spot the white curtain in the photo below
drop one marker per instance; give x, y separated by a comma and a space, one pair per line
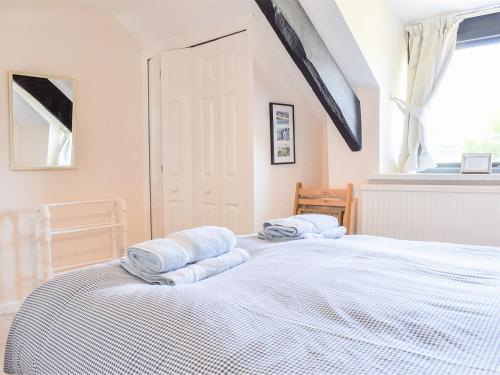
431, 46
64, 154
60, 145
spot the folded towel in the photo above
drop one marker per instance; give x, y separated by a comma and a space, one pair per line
322, 223
295, 227
332, 234
192, 272
180, 248
287, 227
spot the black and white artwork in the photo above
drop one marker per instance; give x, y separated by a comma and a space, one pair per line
282, 133
305, 46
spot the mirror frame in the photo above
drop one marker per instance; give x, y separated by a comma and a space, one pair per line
13, 166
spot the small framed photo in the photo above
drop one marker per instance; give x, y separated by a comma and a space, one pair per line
476, 163
282, 133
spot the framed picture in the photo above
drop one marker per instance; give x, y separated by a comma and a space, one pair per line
476, 163
282, 133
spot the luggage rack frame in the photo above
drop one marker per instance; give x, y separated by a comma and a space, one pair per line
44, 233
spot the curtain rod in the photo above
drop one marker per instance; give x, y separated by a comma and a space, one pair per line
465, 14
480, 12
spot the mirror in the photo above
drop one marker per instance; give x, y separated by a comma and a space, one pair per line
42, 126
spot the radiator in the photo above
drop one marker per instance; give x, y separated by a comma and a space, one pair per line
458, 214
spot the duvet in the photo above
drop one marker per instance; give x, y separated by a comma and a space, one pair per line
358, 305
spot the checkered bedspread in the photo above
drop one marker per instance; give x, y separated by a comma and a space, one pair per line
359, 305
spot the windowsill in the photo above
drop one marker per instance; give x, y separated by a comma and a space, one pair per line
436, 178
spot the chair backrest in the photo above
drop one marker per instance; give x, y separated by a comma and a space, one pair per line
335, 202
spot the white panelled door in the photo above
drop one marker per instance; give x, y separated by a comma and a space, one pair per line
205, 126
234, 134
176, 141
206, 136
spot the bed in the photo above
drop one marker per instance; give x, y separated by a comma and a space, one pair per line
358, 305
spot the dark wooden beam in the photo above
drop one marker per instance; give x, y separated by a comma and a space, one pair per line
326, 90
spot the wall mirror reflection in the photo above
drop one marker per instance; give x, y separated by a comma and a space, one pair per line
42, 126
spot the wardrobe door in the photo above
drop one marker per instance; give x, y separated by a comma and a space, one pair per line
206, 143
205, 130
176, 140
234, 137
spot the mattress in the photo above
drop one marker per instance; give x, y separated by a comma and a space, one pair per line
358, 305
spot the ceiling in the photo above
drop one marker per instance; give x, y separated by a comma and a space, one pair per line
413, 10
152, 20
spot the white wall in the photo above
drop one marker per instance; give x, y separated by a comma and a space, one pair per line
345, 166
277, 79
380, 35
63, 39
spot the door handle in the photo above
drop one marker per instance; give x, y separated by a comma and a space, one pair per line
207, 191
174, 190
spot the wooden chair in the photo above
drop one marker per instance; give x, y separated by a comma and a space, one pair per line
336, 202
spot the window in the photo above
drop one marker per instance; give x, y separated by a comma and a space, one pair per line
464, 115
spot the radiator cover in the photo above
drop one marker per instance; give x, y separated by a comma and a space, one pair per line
457, 214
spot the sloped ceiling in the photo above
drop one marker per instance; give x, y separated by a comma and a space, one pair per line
150, 21
336, 34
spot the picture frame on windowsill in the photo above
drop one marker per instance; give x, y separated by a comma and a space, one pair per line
476, 163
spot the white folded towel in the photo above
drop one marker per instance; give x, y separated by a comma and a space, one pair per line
332, 234
322, 223
286, 227
295, 227
180, 248
192, 272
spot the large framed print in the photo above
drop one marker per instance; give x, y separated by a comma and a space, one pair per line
282, 133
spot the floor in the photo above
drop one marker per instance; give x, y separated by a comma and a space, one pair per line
5, 321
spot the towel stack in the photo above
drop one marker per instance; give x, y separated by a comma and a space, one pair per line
302, 226
185, 257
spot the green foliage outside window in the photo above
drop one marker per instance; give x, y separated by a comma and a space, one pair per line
491, 142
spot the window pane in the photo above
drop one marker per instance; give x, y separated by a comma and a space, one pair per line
465, 112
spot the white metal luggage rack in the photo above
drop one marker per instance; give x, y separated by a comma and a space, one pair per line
44, 233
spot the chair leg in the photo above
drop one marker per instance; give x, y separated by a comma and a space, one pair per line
296, 205
354, 215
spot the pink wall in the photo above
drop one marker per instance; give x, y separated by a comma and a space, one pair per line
63, 39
